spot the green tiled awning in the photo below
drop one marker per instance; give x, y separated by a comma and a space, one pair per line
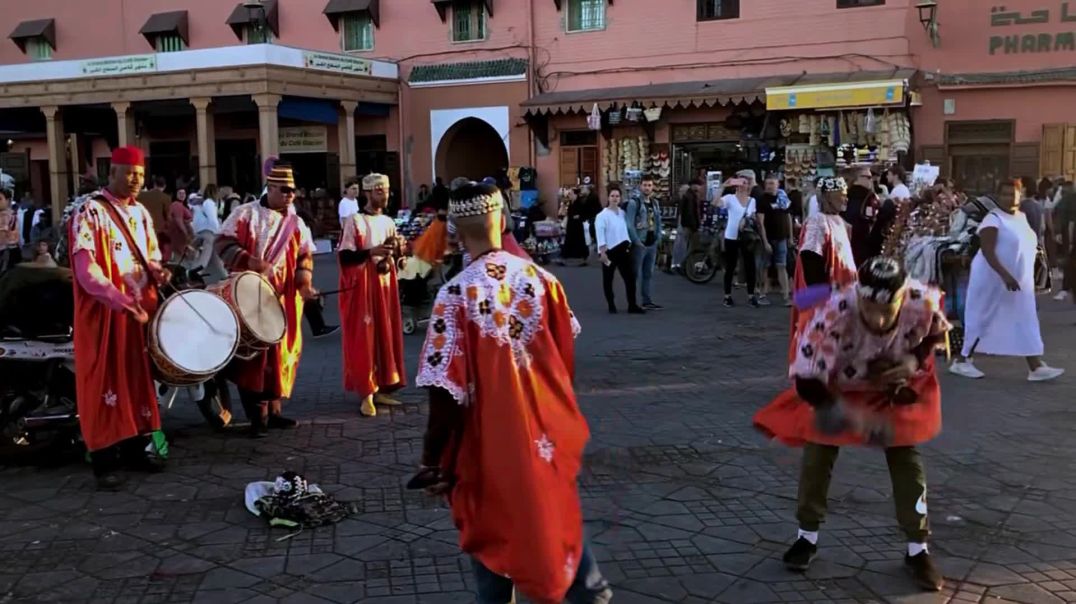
441, 72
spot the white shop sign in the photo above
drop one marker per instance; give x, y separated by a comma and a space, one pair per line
304, 139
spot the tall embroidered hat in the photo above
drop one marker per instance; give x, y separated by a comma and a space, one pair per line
475, 200
373, 181
281, 176
128, 156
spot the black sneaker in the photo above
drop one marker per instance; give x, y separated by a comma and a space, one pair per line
800, 555
728, 302
326, 331
652, 306
923, 571
612, 310
753, 301
636, 310
258, 429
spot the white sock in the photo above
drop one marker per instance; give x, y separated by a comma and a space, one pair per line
811, 536
914, 549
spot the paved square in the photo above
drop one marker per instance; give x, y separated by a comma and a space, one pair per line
684, 502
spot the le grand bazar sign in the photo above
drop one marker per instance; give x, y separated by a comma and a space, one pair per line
1046, 41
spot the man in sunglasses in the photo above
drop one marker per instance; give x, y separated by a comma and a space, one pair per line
268, 237
861, 213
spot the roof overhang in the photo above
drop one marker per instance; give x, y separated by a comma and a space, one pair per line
38, 28
338, 8
241, 18
174, 22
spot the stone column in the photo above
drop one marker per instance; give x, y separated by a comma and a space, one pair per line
54, 136
207, 141
267, 124
346, 141
125, 123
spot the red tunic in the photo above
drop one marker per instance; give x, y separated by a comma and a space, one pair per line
370, 312
501, 342
114, 383
258, 230
837, 349
827, 236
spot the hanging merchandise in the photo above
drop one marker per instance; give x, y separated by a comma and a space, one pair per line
872, 122
653, 114
633, 114
614, 116
594, 120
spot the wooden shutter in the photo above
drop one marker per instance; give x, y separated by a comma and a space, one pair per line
1052, 154
588, 164
1068, 162
569, 166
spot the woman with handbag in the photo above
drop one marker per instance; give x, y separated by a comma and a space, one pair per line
741, 236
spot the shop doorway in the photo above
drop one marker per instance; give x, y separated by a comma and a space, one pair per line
237, 165
311, 169
579, 158
173, 161
980, 154
694, 160
470, 148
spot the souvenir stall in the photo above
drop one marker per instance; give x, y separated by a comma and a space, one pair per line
829, 128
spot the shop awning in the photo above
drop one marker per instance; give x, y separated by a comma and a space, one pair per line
165, 24
38, 28
338, 8
707, 93
836, 95
240, 18
1039, 77
442, 7
672, 94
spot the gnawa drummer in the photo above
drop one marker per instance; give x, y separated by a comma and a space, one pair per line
117, 266
268, 237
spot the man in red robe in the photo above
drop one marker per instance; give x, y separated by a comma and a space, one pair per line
505, 436
115, 295
268, 237
370, 301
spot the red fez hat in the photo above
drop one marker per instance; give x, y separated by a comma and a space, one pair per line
128, 156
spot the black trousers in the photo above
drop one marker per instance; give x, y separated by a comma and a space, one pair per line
314, 311
619, 261
734, 251
111, 459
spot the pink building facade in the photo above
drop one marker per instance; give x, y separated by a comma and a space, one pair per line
422, 89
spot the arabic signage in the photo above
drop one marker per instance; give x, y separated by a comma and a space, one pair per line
120, 65
831, 96
304, 139
1038, 42
338, 63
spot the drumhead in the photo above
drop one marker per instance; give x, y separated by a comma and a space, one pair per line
259, 308
185, 338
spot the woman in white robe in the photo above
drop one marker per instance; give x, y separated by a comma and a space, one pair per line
1001, 317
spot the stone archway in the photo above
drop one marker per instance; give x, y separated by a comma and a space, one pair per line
471, 148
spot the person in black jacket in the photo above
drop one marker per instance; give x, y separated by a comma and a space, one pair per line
861, 213
690, 220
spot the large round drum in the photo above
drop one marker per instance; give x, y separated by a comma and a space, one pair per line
193, 336
261, 315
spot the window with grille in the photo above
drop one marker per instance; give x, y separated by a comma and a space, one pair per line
170, 43
713, 10
586, 15
38, 49
257, 35
468, 21
357, 30
858, 3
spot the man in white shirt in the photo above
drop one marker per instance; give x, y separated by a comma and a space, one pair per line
206, 225
615, 250
349, 203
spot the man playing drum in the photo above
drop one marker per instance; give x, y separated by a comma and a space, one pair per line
370, 301
116, 264
267, 237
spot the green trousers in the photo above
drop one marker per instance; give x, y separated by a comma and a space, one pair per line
905, 471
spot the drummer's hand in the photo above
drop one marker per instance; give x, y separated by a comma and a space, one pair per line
308, 292
159, 273
900, 372
258, 265
137, 312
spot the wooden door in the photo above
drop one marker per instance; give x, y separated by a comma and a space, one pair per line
1052, 153
569, 166
1068, 162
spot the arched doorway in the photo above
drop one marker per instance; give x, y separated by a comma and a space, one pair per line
471, 148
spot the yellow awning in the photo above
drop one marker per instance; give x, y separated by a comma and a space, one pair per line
832, 96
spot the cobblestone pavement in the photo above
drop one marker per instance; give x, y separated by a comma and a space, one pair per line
684, 502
